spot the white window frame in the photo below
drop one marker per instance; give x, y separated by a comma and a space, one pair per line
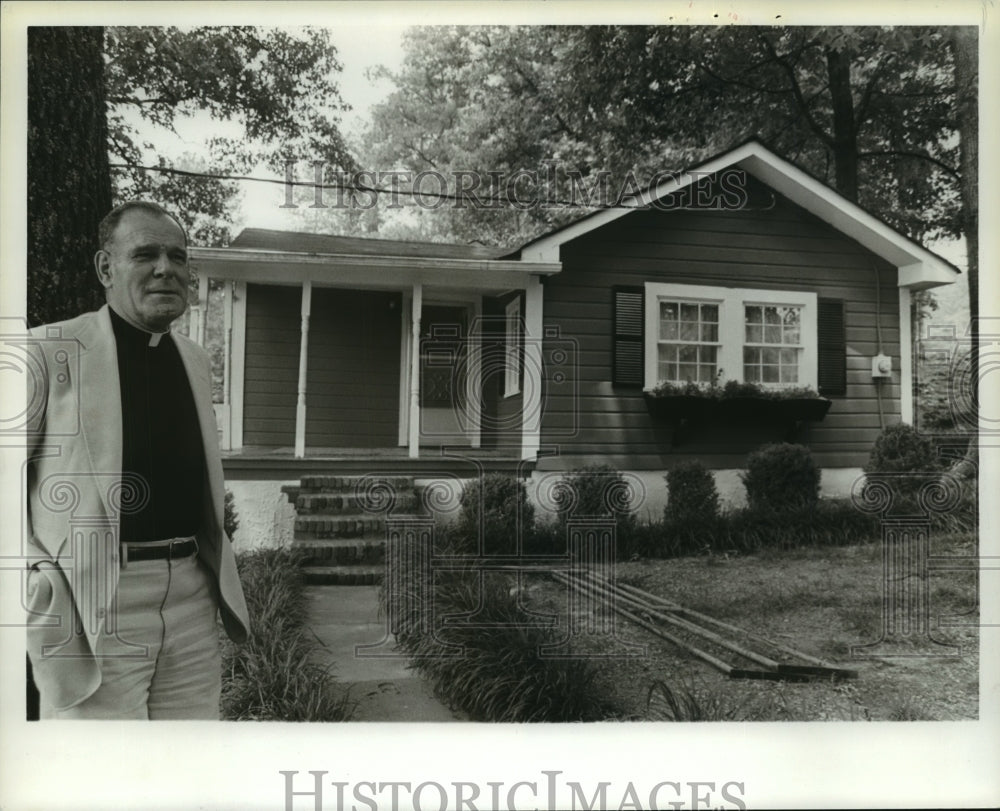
512, 348
731, 301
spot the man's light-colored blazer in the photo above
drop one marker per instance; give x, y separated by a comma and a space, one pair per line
75, 486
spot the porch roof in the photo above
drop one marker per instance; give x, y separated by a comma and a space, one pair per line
277, 257
268, 239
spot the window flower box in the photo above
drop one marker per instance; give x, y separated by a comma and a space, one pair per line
736, 403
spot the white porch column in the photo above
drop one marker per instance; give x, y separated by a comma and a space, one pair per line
416, 305
531, 392
905, 357
300, 409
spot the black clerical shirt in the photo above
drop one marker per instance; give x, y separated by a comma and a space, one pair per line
161, 438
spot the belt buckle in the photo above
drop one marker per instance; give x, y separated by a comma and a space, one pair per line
181, 542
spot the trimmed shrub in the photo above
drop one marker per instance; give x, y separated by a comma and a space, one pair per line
781, 477
691, 494
902, 448
499, 498
597, 491
600, 491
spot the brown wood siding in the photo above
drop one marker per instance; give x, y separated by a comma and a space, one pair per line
353, 392
782, 248
271, 373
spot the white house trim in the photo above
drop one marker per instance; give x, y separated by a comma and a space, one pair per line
531, 364
731, 338
300, 408
366, 272
416, 306
919, 268
905, 357
512, 363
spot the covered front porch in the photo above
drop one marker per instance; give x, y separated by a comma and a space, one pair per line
369, 349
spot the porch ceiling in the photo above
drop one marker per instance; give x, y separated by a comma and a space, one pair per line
363, 271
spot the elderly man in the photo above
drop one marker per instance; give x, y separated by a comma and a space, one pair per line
130, 567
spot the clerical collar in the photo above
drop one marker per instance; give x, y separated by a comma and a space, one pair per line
128, 332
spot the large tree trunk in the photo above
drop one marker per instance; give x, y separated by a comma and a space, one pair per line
965, 49
845, 135
69, 182
964, 45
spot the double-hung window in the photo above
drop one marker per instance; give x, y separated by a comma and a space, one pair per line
701, 334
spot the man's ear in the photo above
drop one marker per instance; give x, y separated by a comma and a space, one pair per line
102, 263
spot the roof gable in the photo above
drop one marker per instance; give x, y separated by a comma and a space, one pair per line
918, 267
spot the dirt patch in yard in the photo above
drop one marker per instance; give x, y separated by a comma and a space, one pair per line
819, 601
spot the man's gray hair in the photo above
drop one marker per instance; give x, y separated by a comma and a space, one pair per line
106, 230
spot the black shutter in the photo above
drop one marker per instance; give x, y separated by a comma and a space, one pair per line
832, 340
627, 346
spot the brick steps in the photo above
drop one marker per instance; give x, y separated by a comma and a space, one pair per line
343, 575
325, 503
342, 552
343, 544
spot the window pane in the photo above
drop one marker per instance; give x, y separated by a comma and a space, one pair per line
790, 335
688, 371
689, 332
689, 312
710, 332
754, 334
710, 313
772, 335
770, 374
753, 315
668, 311
688, 354
707, 354
771, 315
751, 374
789, 357
789, 374
769, 356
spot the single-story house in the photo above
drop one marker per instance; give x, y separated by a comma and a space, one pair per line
343, 354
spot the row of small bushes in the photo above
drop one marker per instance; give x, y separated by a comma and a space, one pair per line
783, 509
275, 675
486, 657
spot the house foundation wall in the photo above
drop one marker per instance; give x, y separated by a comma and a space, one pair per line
266, 518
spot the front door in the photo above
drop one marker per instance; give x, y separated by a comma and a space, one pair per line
444, 362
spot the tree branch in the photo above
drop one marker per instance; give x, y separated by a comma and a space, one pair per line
901, 153
814, 125
866, 98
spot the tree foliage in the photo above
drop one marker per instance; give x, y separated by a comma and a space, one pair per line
69, 185
870, 110
265, 95
270, 95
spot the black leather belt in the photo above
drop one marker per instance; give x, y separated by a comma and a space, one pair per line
171, 549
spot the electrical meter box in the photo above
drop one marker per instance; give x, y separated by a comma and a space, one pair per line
881, 366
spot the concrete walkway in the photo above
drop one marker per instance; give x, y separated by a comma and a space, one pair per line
385, 689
